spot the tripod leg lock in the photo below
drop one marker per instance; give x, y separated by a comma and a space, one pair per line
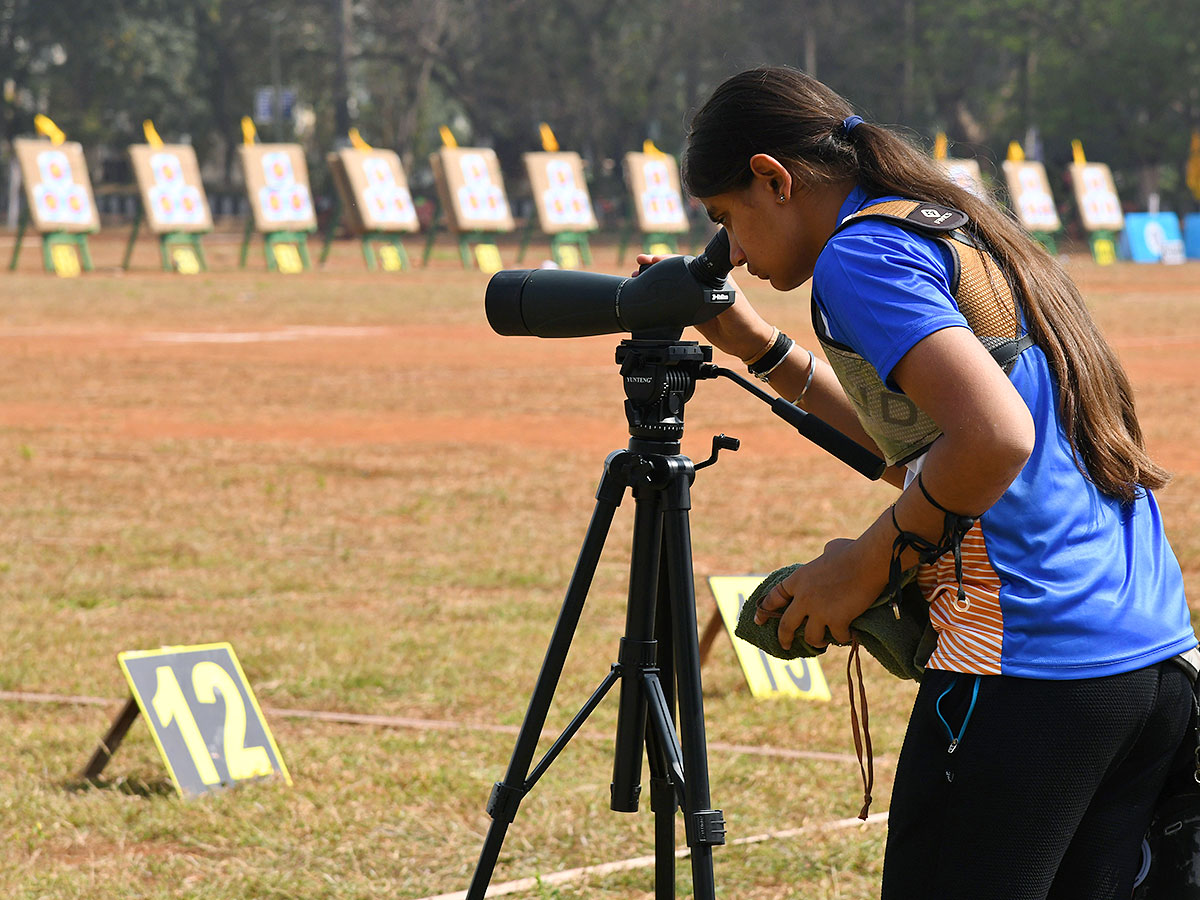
706, 828
638, 654
502, 804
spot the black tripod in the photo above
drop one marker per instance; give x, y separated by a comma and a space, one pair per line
659, 659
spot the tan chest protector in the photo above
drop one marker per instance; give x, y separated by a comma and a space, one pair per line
901, 430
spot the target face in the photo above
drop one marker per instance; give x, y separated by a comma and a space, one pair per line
58, 189
560, 192
471, 189
278, 188
172, 192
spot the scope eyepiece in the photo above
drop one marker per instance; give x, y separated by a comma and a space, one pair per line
713, 265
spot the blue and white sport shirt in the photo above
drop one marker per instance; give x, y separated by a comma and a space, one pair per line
1060, 580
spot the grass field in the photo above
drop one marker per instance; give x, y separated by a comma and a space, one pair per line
378, 502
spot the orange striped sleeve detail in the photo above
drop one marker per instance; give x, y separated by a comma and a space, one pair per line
970, 636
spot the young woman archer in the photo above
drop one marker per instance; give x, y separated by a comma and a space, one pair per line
963, 353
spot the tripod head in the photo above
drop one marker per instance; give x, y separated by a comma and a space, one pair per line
659, 378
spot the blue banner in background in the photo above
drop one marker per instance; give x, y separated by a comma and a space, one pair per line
1147, 235
1191, 235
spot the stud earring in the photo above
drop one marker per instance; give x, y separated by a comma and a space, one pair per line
782, 198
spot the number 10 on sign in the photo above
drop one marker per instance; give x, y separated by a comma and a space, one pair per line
203, 716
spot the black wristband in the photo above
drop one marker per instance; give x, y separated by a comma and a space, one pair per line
765, 364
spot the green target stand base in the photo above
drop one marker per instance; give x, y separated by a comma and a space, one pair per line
431, 235
1104, 247
178, 251
479, 248
334, 221
380, 249
474, 247
202, 714
63, 252
285, 251
384, 250
66, 252
568, 249
653, 242
1047, 239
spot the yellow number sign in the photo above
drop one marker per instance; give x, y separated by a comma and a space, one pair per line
203, 715
65, 259
488, 258
766, 675
185, 260
1104, 251
569, 257
390, 259
287, 259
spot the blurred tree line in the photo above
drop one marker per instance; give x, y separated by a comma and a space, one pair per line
1124, 77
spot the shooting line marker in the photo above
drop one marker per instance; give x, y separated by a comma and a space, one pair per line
202, 714
767, 677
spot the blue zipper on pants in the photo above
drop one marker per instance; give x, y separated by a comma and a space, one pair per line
955, 739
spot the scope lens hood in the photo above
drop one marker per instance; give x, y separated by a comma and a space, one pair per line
503, 302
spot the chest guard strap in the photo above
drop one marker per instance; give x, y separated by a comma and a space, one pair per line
900, 429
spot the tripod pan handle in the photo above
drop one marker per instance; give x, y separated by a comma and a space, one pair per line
830, 439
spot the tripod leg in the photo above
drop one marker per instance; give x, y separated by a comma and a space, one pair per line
507, 794
705, 826
638, 649
661, 747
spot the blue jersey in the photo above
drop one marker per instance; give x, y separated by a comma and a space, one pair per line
1060, 580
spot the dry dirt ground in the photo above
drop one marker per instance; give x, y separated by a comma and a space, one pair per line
419, 371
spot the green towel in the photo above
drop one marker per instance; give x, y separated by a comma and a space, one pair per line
901, 644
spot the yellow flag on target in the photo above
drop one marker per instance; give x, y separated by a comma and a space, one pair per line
152, 136
941, 146
45, 125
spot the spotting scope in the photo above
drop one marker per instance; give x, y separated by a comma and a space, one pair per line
666, 296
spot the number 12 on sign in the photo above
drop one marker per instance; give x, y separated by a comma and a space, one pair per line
203, 716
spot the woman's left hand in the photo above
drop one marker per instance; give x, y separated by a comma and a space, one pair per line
830, 592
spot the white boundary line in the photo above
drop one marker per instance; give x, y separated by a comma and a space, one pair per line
380, 721
642, 862
287, 333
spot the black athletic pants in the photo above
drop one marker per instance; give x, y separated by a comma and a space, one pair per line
1047, 794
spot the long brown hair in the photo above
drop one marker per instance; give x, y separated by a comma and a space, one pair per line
795, 118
